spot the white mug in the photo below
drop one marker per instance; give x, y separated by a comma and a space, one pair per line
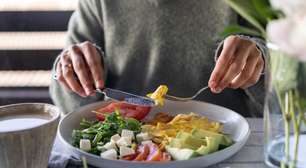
27, 144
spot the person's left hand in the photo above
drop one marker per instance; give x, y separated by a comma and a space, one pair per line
239, 65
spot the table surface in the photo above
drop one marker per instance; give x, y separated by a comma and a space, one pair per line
252, 154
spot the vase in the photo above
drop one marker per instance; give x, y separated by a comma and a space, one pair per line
285, 107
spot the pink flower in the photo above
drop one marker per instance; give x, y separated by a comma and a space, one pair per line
290, 7
290, 35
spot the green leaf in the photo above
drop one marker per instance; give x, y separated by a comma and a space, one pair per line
85, 124
76, 137
97, 138
246, 9
264, 9
237, 29
133, 124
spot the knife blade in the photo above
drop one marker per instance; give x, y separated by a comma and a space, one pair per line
125, 96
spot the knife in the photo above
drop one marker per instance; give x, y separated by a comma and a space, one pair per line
119, 95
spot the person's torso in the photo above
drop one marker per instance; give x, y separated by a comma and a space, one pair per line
172, 42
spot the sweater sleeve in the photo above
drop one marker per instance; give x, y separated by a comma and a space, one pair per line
256, 93
85, 24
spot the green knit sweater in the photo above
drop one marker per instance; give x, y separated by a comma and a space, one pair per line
151, 42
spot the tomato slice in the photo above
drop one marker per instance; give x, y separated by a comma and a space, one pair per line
129, 157
166, 157
149, 153
143, 153
128, 110
156, 156
154, 152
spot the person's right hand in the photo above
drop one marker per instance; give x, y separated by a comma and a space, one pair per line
80, 69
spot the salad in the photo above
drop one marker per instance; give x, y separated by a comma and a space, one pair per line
120, 133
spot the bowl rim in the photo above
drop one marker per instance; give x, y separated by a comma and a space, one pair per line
53, 119
235, 145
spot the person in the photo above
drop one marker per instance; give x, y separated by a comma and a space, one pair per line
135, 46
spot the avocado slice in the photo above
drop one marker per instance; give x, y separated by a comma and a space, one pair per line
180, 154
212, 144
203, 150
176, 143
187, 140
227, 141
221, 139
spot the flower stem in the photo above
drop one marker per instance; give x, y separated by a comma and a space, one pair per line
295, 127
284, 107
298, 129
286, 117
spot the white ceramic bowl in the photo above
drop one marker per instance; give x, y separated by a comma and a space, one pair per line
234, 124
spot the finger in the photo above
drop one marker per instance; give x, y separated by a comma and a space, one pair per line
248, 70
235, 68
69, 76
60, 76
223, 62
256, 75
93, 60
81, 71
244, 75
91, 79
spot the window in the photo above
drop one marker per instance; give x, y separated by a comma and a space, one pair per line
32, 33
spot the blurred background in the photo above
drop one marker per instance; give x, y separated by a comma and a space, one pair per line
32, 34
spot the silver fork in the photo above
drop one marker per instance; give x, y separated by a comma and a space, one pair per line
175, 98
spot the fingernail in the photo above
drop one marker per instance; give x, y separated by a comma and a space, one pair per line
218, 90
83, 95
100, 84
88, 91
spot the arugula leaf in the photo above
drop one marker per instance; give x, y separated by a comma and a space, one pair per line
85, 124
76, 137
99, 132
133, 124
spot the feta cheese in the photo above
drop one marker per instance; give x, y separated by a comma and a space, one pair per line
143, 137
127, 133
146, 142
115, 138
110, 145
85, 145
124, 141
125, 151
109, 154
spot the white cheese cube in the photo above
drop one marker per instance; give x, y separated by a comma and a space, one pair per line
127, 133
147, 142
110, 145
143, 137
109, 154
85, 145
115, 138
124, 141
125, 151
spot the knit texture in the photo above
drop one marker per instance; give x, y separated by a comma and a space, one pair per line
147, 43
